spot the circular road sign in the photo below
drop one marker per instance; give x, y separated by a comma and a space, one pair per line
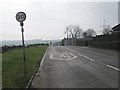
20, 16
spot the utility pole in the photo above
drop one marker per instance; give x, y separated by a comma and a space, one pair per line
67, 36
46, 42
104, 25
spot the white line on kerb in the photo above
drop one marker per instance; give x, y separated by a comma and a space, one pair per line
42, 60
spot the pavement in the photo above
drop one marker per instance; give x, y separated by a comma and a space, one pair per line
77, 67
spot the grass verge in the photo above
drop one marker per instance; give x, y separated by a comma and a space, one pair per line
0, 70
13, 66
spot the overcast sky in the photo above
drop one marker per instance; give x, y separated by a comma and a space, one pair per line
47, 20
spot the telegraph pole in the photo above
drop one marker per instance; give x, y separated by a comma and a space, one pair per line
67, 36
104, 25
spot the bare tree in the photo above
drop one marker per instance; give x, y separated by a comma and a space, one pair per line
89, 33
75, 32
84, 34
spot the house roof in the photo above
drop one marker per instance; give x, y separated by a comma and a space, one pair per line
116, 28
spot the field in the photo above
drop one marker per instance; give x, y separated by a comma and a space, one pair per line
13, 65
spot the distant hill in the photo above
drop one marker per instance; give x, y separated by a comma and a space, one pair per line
27, 42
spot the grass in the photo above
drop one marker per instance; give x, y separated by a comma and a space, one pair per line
13, 66
0, 71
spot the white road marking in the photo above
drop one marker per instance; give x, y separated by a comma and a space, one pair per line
51, 56
110, 66
73, 57
102, 64
67, 55
113, 67
86, 57
82, 55
93, 60
42, 60
72, 54
63, 55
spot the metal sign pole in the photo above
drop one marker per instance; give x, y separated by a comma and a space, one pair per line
20, 17
22, 30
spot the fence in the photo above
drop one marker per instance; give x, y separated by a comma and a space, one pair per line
110, 41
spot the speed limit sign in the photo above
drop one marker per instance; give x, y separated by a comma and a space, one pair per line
20, 16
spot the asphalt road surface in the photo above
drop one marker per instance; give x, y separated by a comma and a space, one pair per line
77, 67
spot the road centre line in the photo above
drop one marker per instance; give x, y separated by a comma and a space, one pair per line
82, 55
42, 60
93, 60
113, 67
110, 66
86, 57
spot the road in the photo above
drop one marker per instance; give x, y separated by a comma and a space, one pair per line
77, 67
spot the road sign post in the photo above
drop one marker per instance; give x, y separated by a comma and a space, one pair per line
20, 17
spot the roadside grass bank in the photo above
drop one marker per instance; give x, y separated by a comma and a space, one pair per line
0, 70
13, 65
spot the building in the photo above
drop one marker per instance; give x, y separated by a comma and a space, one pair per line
116, 29
76, 42
66, 41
